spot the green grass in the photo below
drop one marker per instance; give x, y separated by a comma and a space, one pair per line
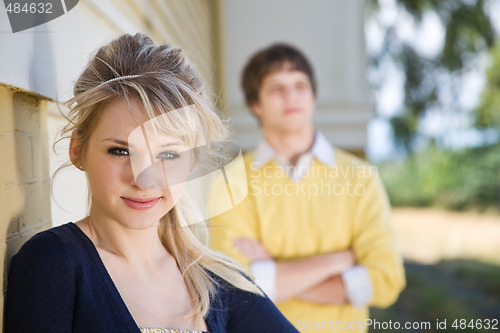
452, 289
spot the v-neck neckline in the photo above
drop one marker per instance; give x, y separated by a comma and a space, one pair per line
108, 281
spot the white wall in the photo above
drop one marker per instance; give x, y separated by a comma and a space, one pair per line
331, 34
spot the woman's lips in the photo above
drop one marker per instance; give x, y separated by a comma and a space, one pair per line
141, 203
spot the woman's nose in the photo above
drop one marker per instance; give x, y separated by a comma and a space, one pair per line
147, 173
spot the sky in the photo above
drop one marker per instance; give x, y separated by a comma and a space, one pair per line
428, 39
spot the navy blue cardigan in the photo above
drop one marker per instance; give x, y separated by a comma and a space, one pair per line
58, 283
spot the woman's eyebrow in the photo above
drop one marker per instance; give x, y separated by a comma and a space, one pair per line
174, 143
126, 144
121, 142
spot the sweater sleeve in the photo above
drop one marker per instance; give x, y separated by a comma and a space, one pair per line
374, 243
40, 290
240, 221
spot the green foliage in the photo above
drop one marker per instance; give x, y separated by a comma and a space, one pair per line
404, 126
430, 81
488, 111
468, 28
456, 180
468, 32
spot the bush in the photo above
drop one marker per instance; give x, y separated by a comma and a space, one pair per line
457, 180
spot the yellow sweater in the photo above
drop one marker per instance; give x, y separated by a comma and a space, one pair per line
330, 209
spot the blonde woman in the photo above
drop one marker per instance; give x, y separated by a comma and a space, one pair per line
135, 263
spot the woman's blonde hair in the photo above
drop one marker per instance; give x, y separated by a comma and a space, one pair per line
161, 78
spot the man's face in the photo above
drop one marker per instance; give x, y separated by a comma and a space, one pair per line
286, 101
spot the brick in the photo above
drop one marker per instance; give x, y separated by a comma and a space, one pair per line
23, 157
29, 114
4, 213
13, 201
6, 109
36, 209
8, 172
24, 172
40, 157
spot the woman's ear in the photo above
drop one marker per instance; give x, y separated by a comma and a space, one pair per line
75, 151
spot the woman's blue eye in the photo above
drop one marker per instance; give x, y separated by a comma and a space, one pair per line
118, 151
167, 155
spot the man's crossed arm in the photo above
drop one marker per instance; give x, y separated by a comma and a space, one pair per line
315, 279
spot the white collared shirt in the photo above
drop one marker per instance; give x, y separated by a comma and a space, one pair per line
356, 279
322, 150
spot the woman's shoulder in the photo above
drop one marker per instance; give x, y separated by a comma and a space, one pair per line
231, 297
42, 282
246, 311
226, 288
226, 293
54, 241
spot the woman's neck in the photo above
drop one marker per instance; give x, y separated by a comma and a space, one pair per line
138, 247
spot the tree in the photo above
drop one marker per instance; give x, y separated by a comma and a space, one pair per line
488, 111
433, 83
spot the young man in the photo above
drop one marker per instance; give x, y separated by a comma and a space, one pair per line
314, 227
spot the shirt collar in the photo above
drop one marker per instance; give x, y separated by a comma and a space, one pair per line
322, 150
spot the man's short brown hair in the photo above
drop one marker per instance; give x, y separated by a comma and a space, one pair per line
269, 60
